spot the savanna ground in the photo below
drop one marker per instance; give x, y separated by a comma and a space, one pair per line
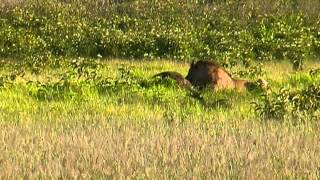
150, 132
77, 97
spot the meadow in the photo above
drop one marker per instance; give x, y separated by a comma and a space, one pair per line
149, 132
78, 98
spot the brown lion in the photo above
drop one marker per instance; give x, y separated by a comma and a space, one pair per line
177, 77
209, 74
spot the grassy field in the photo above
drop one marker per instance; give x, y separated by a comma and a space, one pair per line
157, 132
77, 97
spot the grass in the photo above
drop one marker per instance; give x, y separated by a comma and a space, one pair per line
104, 147
156, 134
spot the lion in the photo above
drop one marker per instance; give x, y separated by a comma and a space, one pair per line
181, 81
206, 73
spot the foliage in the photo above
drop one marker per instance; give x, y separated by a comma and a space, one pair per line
9, 78
232, 32
272, 106
251, 70
81, 79
297, 105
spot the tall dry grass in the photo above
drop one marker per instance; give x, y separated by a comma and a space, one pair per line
113, 149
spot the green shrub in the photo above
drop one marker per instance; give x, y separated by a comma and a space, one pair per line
230, 32
295, 105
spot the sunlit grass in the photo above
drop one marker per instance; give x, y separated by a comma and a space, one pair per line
128, 135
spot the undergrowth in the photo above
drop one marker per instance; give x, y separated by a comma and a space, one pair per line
296, 99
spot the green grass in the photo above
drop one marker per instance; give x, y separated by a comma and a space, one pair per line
153, 133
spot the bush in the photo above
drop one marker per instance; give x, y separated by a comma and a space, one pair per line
296, 105
229, 31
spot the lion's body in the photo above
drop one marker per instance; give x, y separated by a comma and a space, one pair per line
223, 80
180, 80
241, 84
209, 74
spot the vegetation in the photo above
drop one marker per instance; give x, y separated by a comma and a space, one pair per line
97, 119
78, 98
233, 32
